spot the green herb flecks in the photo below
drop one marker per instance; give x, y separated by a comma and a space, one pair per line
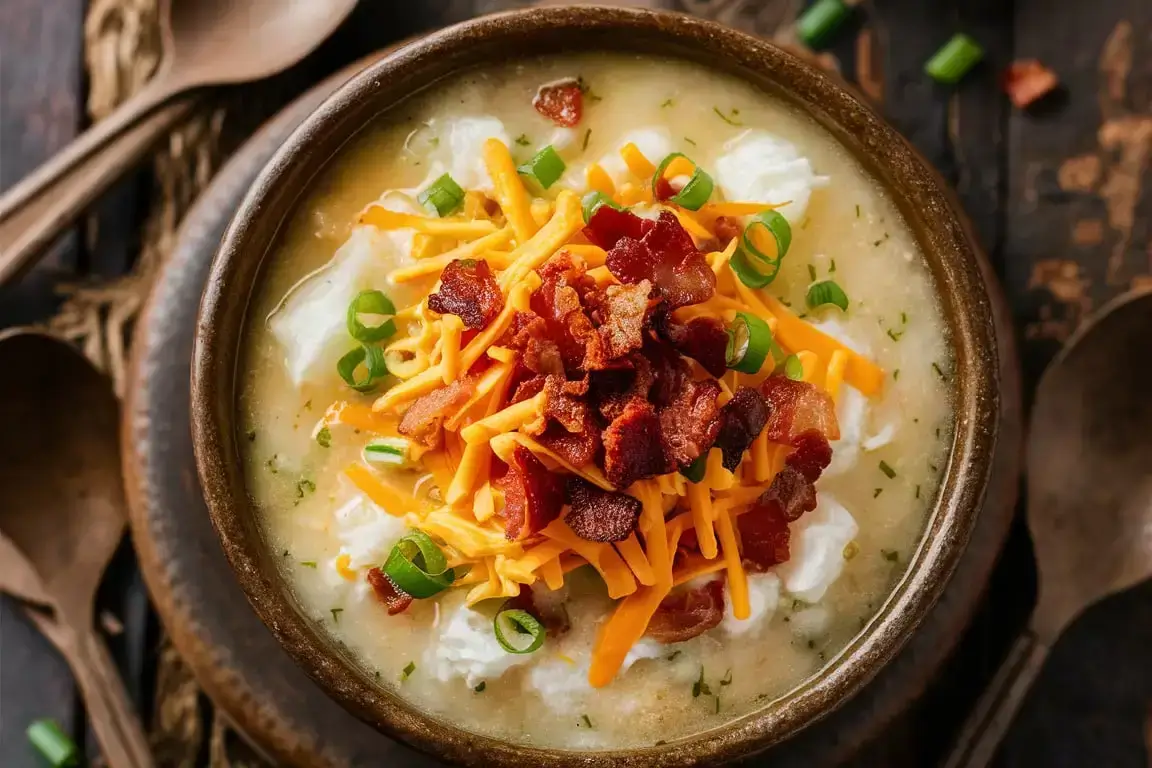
324, 437
308, 564
700, 687
727, 679
480, 687
690, 141
587, 136
895, 335
587, 721
407, 671
939, 371
336, 615
891, 555
674, 655
917, 491
303, 486
726, 118
251, 435
523, 140
876, 492
812, 272
667, 103
832, 267
887, 470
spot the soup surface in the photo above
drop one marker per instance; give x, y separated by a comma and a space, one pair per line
615, 436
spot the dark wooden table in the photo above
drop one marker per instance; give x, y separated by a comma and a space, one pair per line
1057, 195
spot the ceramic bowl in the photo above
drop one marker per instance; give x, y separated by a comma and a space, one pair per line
919, 194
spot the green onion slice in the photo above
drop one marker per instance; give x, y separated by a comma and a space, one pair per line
695, 471
372, 358
417, 565
954, 59
442, 196
749, 343
793, 368
387, 450
695, 193
748, 274
781, 232
816, 25
827, 292
371, 303
546, 167
592, 202
51, 742
519, 625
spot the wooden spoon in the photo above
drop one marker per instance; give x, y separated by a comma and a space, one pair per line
206, 42
1089, 498
62, 516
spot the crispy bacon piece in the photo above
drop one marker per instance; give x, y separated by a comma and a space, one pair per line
669, 371
687, 613
599, 515
554, 617
633, 448
609, 224
533, 496
764, 538
727, 228
422, 420
796, 407
812, 456
704, 339
529, 334
667, 257
622, 318
396, 599
691, 422
564, 403
557, 301
469, 291
1027, 81
577, 448
743, 418
561, 102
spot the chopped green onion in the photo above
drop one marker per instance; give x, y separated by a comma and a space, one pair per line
51, 742
371, 303
749, 343
827, 292
545, 166
887, 470
409, 668
816, 25
417, 566
373, 359
742, 261
586, 720
592, 202
324, 437
442, 196
513, 622
386, 450
954, 59
695, 471
793, 368
695, 193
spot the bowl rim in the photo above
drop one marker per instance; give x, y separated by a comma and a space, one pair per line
918, 192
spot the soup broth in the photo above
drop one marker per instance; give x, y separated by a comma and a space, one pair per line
305, 427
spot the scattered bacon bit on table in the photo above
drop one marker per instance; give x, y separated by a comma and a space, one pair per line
599, 515
533, 495
469, 291
688, 613
561, 102
1026, 81
394, 598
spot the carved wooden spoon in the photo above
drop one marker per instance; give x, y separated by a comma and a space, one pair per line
1089, 498
62, 516
206, 43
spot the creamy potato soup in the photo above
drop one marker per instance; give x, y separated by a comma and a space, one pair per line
594, 401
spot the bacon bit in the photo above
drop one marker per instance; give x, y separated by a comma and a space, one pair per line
608, 225
812, 456
554, 618
561, 102
528, 388
558, 302
614, 388
388, 593
422, 420
703, 339
1026, 81
563, 404
469, 291
687, 613
743, 417
669, 371
796, 407
533, 496
764, 538
577, 448
599, 515
623, 311
691, 422
529, 334
727, 228
666, 256
633, 449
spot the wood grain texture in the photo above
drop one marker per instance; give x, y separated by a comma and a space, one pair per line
41, 108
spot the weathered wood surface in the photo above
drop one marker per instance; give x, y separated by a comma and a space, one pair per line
1058, 197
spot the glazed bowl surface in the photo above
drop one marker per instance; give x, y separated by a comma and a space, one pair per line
919, 195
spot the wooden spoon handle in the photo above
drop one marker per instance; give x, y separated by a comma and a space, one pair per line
36, 211
110, 711
989, 721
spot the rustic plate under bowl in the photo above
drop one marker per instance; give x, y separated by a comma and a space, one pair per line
240, 663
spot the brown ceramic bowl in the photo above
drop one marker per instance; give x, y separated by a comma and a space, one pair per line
920, 196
